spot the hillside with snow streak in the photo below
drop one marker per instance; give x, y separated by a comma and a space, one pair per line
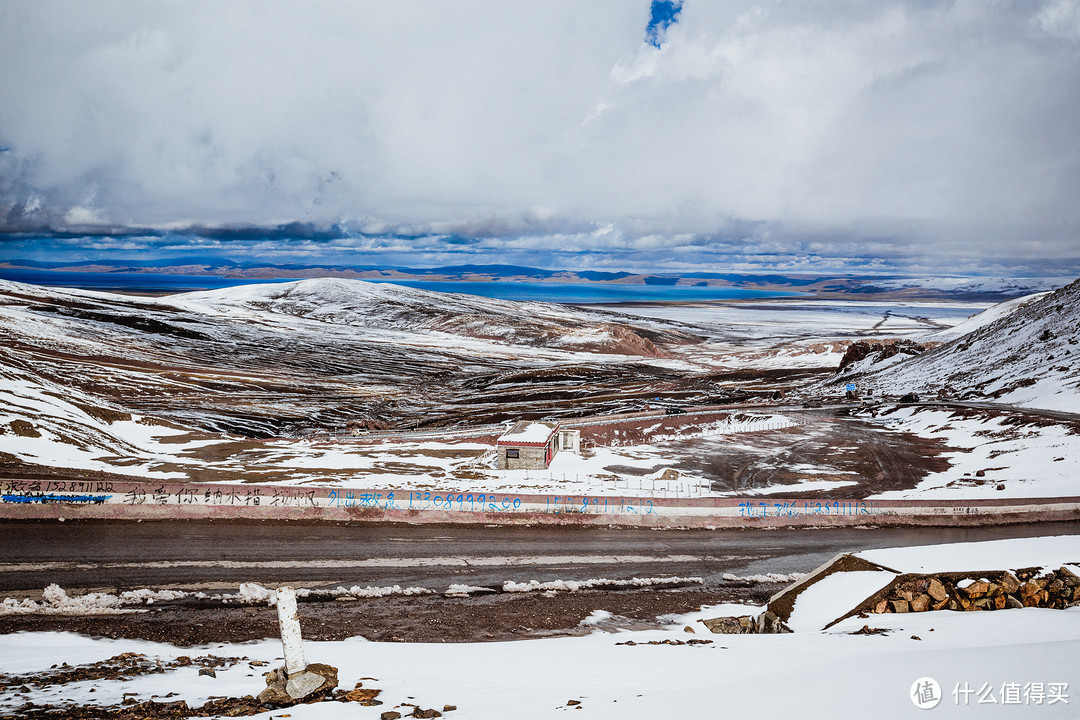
1028, 357
276, 358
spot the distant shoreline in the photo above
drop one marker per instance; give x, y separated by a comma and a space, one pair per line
575, 292
146, 283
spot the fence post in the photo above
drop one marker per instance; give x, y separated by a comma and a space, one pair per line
289, 623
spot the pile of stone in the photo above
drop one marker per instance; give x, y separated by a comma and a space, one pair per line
315, 682
1029, 587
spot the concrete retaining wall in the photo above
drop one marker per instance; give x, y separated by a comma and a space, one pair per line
32, 499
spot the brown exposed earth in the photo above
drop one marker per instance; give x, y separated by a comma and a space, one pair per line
425, 618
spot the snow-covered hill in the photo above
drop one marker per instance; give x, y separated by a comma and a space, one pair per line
1028, 357
987, 316
268, 359
385, 306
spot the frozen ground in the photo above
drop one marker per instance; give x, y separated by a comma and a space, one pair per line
1019, 661
991, 455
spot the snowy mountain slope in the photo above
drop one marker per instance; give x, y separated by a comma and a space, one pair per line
1029, 357
987, 316
268, 359
386, 306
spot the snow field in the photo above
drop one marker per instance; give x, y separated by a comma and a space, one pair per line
1028, 460
809, 673
812, 674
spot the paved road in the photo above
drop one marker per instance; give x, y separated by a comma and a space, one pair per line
130, 555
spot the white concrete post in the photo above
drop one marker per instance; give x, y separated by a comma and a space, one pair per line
289, 623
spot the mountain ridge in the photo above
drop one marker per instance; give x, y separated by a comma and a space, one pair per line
1027, 357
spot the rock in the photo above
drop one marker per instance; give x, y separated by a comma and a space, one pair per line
275, 695
899, 606
999, 602
689, 630
937, 591
942, 605
431, 713
920, 603
1012, 602
1008, 582
275, 676
573, 702
449, 708
364, 696
769, 623
303, 684
390, 715
327, 672
728, 625
207, 671
976, 589
883, 350
882, 606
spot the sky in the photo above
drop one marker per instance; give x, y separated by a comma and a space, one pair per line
611, 134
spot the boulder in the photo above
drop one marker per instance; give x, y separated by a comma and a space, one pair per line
300, 685
275, 695
899, 606
920, 603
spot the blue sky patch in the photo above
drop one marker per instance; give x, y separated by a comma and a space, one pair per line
662, 15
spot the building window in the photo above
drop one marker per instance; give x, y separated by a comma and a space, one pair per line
511, 453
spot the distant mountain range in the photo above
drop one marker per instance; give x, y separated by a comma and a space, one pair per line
975, 288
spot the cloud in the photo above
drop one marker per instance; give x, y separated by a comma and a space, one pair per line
944, 127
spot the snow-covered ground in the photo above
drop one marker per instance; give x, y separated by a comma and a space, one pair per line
1014, 663
995, 456
163, 452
